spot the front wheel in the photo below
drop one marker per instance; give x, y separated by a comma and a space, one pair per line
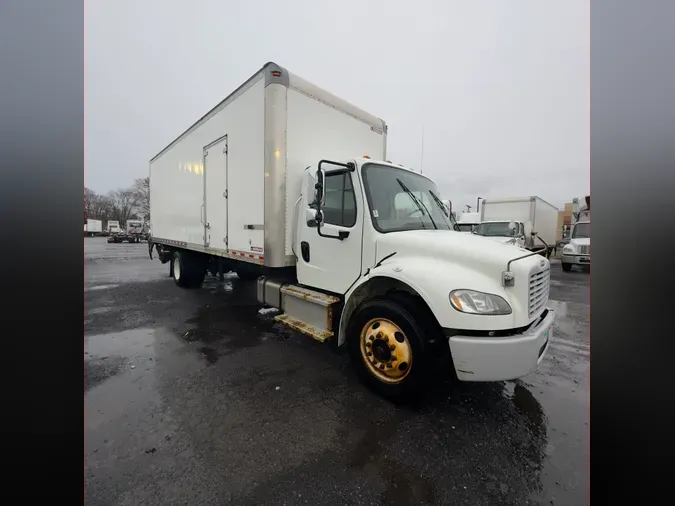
566, 267
385, 341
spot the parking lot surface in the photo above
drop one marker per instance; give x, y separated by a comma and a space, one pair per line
199, 397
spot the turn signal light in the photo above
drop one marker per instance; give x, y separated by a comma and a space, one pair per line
366, 156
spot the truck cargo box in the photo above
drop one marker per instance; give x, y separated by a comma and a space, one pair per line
542, 215
229, 185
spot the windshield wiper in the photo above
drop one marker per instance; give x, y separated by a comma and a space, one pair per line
440, 204
420, 205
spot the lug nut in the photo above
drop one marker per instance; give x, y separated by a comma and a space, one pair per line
386, 339
371, 338
381, 366
379, 335
369, 353
392, 347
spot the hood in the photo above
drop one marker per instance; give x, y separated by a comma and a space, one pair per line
581, 241
468, 249
500, 240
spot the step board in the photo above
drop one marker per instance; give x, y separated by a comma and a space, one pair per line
308, 311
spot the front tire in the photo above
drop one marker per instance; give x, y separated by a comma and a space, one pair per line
387, 345
566, 267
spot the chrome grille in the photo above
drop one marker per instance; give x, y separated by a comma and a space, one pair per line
538, 291
585, 249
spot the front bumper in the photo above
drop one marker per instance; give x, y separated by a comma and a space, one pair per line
501, 358
576, 259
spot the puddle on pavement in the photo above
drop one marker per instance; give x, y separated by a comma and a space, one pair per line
224, 327
100, 287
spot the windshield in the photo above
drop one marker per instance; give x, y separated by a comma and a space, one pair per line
403, 200
581, 230
496, 229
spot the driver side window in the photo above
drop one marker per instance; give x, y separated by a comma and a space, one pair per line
340, 202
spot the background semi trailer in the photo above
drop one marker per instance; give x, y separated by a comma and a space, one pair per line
534, 224
93, 227
272, 183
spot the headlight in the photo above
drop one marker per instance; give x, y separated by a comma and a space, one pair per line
568, 249
472, 302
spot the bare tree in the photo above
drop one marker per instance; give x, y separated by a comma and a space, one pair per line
96, 206
142, 190
122, 204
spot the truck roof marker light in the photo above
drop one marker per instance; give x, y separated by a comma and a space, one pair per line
276, 73
366, 156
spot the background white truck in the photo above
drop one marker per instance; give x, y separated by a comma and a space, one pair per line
113, 227
534, 224
93, 227
467, 222
272, 183
578, 250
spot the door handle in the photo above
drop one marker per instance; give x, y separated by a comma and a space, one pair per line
201, 214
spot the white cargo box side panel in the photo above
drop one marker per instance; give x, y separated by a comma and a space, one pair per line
244, 123
516, 210
177, 174
316, 131
545, 221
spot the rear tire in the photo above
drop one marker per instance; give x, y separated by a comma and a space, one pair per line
381, 324
566, 267
187, 269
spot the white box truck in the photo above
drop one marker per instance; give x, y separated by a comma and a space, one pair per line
578, 250
114, 227
93, 227
467, 222
273, 184
527, 222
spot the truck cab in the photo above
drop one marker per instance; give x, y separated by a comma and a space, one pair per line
467, 222
114, 227
578, 250
381, 266
504, 232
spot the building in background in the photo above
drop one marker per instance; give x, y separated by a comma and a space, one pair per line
564, 221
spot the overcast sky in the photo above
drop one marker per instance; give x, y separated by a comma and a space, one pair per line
500, 88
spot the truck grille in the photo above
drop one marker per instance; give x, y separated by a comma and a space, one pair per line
538, 291
585, 250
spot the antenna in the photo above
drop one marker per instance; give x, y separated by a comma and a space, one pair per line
422, 154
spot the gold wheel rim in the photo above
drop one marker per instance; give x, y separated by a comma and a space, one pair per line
385, 350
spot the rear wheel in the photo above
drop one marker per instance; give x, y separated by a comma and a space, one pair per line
187, 269
566, 267
387, 345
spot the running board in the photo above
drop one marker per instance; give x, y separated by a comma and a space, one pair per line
304, 310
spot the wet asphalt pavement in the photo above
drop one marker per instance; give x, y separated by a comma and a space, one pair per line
198, 397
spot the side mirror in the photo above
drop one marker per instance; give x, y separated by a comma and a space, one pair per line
311, 217
448, 204
318, 188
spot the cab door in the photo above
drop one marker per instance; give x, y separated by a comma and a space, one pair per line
329, 257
